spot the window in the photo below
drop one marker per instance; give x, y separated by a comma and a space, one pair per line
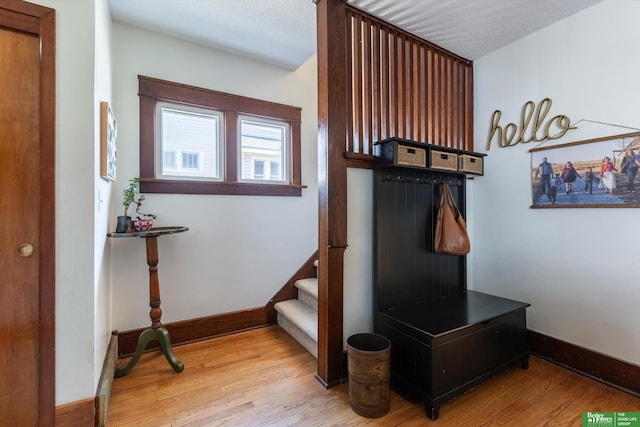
191, 135
263, 142
200, 141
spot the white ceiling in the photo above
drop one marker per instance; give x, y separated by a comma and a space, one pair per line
283, 32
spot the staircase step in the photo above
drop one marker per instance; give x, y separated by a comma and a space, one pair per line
308, 292
301, 322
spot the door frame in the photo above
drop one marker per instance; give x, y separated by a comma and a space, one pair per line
40, 21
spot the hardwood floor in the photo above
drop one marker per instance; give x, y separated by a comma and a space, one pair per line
265, 378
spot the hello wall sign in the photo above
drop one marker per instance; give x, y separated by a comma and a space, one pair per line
532, 126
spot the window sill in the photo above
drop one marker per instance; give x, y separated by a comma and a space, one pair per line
149, 185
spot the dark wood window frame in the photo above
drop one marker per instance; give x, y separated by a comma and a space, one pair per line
152, 91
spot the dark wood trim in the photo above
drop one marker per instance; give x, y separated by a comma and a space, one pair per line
18, 19
40, 21
222, 324
147, 137
601, 367
289, 290
152, 90
151, 185
78, 413
198, 329
163, 90
47, 214
330, 320
360, 163
333, 96
358, 160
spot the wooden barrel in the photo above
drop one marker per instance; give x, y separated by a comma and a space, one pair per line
369, 365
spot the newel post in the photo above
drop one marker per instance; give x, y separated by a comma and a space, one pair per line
332, 185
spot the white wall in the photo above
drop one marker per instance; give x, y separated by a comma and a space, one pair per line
239, 250
102, 191
213, 268
82, 290
577, 267
358, 257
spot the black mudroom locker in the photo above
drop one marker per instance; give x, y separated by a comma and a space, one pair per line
445, 339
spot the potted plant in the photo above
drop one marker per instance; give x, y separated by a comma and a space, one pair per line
131, 195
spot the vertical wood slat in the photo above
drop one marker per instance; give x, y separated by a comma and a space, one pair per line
376, 77
367, 86
468, 116
356, 75
450, 99
430, 97
435, 84
405, 87
418, 93
442, 101
384, 84
349, 143
400, 86
455, 102
409, 95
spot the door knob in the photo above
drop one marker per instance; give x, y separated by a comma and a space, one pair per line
25, 250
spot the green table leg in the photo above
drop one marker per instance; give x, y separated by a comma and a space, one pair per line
156, 331
145, 337
162, 335
165, 345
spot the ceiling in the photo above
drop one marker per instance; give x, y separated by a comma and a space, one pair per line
283, 32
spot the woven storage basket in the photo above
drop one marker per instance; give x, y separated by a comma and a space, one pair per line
444, 160
471, 164
412, 156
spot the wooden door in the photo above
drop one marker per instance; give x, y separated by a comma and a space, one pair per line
27, 283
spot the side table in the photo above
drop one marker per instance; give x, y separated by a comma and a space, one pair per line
156, 331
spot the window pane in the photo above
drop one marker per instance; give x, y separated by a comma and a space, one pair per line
275, 170
258, 169
190, 161
266, 142
169, 160
195, 136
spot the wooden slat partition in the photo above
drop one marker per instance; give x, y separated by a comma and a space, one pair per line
405, 87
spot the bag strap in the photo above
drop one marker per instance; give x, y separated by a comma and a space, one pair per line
447, 196
444, 197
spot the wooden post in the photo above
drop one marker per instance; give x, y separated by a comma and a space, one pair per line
154, 287
332, 184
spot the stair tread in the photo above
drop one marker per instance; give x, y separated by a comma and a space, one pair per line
309, 286
305, 317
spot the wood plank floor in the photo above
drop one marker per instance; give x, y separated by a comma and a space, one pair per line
265, 378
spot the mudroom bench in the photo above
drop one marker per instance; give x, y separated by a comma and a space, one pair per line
445, 339
446, 346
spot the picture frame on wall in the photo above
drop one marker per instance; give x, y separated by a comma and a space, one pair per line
594, 173
108, 134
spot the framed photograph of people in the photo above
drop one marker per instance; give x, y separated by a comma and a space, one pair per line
108, 134
595, 173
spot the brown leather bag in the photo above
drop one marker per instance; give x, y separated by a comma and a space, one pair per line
451, 230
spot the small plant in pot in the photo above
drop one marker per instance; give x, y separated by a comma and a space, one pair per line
143, 221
